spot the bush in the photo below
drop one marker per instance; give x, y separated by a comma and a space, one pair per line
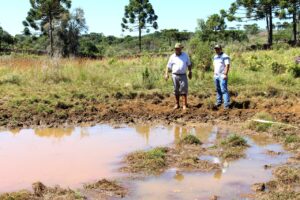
295, 70
279, 46
201, 54
148, 79
278, 68
254, 64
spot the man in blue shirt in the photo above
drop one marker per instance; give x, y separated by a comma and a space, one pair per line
221, 68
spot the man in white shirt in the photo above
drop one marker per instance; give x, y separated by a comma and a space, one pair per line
178, 64
221, 69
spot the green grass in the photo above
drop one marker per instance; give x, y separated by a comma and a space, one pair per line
259, 126
37, 84
150, 162
233, 147
190, 140
234, 140
291, 139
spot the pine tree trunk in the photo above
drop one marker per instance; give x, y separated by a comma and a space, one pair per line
295, 24
140, 39
51, 38
268, 27
270, 31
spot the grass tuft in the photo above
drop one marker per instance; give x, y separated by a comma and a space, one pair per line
190, 140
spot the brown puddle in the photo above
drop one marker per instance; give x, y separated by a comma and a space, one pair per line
71, 157
231, 182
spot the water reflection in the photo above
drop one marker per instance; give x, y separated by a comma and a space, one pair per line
179, 176
73, 156
54, 132
144, 131
218, 174
232, 180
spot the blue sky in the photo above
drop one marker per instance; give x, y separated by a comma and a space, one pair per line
104, 16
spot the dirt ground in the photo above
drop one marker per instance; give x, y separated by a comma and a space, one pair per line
159, 109
155, 108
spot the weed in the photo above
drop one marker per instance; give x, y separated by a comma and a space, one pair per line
233, 147
234, 140
278, 68
10, 79
292, 139
148, 162
190, 140
260, 126
148, 79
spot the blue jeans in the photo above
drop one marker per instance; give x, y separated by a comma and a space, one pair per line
222, 91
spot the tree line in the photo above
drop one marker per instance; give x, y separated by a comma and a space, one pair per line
52, 27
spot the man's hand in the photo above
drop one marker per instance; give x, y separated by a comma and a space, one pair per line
224, 76
166, 76
190, 75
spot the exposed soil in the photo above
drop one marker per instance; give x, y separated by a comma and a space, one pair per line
152, 108
101, 190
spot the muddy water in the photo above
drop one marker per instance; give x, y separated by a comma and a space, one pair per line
71, 157
233, 181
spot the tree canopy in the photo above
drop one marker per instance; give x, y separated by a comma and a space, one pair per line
139, 15
42, 16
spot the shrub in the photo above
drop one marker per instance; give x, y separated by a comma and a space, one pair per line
254, 64
279, 46
201, 54
148, 79
295, 70
278, 68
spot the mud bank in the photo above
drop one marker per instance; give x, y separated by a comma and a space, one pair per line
149, 108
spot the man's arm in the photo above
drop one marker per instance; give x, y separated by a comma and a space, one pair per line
167, 73
168, 67
190, 71
189, 64
226, 70
227, 67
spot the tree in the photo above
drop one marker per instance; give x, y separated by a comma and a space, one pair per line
170, 34
5, 38
212, 29
42, 15
216, 23
71, 29
251, 29
256, 10
139, 15
290, 9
